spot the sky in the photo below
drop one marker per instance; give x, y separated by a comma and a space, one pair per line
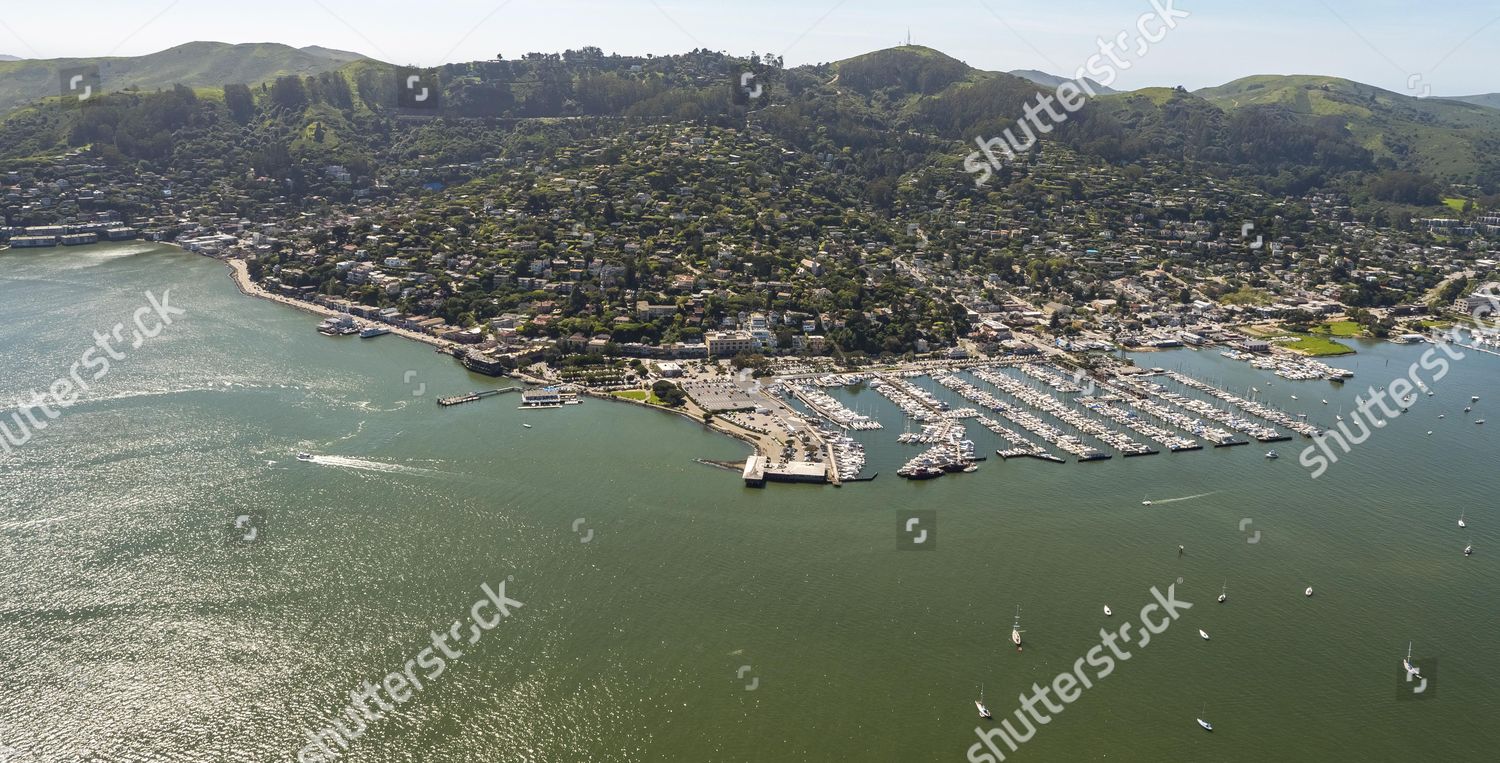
1450, 48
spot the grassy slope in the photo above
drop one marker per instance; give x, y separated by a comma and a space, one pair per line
1439, 137
196, 64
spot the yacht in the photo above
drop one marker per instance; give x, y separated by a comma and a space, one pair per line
1411, 670
1273, 455
528, 426
1223, 597
1205, 724
984, 712
1015, 629
304, 457
1469, 550
370, 332
1478, 421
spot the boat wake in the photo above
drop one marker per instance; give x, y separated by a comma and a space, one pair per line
1185, 498
360, 464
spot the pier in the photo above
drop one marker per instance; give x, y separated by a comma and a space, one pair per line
473, 396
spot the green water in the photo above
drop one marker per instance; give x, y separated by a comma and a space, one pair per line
135, 627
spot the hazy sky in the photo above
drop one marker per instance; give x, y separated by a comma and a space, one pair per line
1454, 46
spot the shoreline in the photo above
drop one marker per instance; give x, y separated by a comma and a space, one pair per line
239, 273
756, 447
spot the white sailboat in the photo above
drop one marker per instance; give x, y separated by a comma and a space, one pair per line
1308, 592
1223, 597
1203, 633
1461, 522
1015, 629
1469, 550
1205, 724
984, 712
1108, 612
1411, 669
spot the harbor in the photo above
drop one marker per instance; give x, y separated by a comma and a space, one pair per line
1033, 409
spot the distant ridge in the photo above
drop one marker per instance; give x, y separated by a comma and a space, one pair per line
194, 64
1052, 80
4, 57
1491, 100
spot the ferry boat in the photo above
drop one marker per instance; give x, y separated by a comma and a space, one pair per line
371, 332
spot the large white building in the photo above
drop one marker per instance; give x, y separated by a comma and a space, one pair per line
726, 344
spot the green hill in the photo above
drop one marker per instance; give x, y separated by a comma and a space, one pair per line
1446, 139
195, 64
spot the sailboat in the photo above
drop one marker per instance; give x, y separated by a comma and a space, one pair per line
1205, 724
1469, 550
1308, 592
1108, 612
1203, 633
1461, 522
984, 712
1411, 670
1015, 629
1223, 597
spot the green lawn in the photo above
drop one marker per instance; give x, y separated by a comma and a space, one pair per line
1456, 204
1339, 328
641, 395
1318, 346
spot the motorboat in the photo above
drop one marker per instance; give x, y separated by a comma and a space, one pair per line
1273, 455
304, 457
1308, 592
1203, 633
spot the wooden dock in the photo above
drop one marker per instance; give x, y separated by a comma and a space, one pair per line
472, 396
